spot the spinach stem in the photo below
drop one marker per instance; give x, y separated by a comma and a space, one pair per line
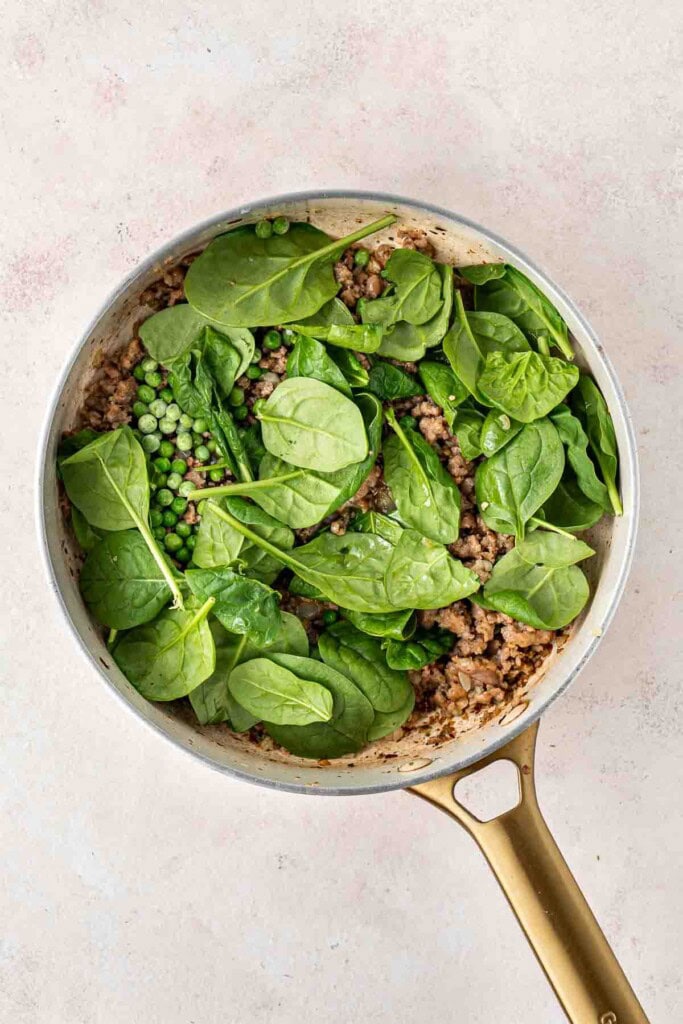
260, 542
543, 346
544, 525
158, 557
614, 497
111, 639
225, 490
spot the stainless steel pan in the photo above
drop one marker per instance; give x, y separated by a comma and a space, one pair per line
517, 844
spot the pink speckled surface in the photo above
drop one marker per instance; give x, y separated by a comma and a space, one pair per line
135, 885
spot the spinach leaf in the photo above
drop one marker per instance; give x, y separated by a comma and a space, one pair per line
390, 382
444, 388
73, 443
307, 590
427, 497
497, 429
107, 481
242, 605
353, 370
309, 358
349, 570
552, 549
422, 574
379, 524
395, 625
300, 497
409, 342
170, 656
309, 424
480, 273
542, 596
359, 337
86, 535
333, 312
361, 659
467, 427
424, 648
211, 700
592, 410
278, 695
526, 385
513, 484
573, 436
352, 714
218, 544
170, 334
515, 296
121, 583
472, 338
247, 281
417, 293
569, 508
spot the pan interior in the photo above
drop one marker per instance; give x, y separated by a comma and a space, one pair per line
388, 763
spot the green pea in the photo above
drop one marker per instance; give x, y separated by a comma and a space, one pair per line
166, 394
256, 356
184, 442
201, 508
183, 529
159, 480
159, 533
173, 542
140, 409
146, 394
167, 426
173, 412
185, 422
202, 453
199, 426
329, 617
169, 518
187, 487
190, 542
196, 439
174, 481
158, 408
212, 446
164, 497
153, 379
163, 464
138, 372
272, 340
258, 406
236, 396
183, 554
149, 364
156, 517
151, 442
254, 372
280, 225
215, 476
179, 505
240, 413
263, 229
361, 258
179, 466
166, 449
147, 424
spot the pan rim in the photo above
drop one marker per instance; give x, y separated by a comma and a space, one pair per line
432, 771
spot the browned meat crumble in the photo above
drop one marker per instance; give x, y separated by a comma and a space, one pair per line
492, 655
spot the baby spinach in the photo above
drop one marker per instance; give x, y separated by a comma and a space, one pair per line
515, 482
275, 694
218, 544
552, 549
352, 714
242, 605
86, 535
308, 358
358, 337
515, 296
444, 388
121, 583
361, 659
354, 371
167, 658
592, 410
573, 436
480, 273
170, 334
409, 342
422, 574
467, 427
472, 338
426, 495
332, 312
525, 385
73, 443
246, 281
349, 569
396, 625
416, 296
107, 481
309, 424
569, 508
377, 523
497, 429
211, 700
422, 649
390, 382
543, 596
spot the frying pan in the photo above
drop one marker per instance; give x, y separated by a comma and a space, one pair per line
517, 844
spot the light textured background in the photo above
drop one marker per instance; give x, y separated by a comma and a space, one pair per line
136, 885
